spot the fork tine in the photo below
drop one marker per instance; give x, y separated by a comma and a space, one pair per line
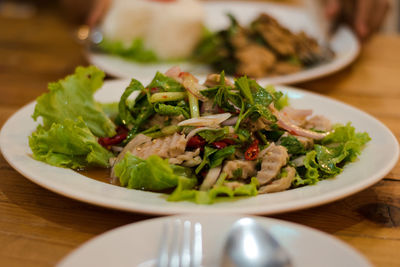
197, 249
176, 244
180, 245
162, 259
186, 244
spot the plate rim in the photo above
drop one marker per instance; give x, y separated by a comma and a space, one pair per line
121, 204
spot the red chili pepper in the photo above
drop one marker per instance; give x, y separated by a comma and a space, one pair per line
229, 141
121, 135
252, 151
223, 143
196, 142
154, 90
219, 144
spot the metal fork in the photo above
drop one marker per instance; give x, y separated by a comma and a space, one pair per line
180, 244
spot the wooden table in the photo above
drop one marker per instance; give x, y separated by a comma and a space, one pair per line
38, 227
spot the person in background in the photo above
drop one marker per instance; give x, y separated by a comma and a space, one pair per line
365, 17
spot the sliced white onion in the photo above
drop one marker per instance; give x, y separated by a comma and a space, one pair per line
210, 178
192, 85
211, 120
215, 79
174, 72
297, 113
138, 140
117, 148
299, 161
230, 121
284, 123
196, 130
296, 130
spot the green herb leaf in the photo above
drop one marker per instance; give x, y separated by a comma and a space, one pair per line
218, 157
169, 110
165, 83
293, 145
124, 105
213, 135
243, 83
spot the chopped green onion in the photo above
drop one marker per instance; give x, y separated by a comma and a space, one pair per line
167, 96
194, 106
168, 130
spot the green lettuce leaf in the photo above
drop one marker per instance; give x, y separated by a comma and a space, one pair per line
110, 109
70, 144
352, 142
71, 98
135, 52
219, 191
154, 174
341, 146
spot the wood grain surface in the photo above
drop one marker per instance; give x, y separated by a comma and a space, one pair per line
38, 227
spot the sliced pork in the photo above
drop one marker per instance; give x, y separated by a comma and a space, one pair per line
280, 184
166, 147
240, 169
318, 123
273, 159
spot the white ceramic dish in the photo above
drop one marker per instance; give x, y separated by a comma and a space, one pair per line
376, 160
124, 246
344, 43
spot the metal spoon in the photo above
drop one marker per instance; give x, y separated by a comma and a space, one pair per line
250, 244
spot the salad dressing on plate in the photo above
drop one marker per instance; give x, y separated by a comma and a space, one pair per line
99, 174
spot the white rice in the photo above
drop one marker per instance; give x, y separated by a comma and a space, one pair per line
170, 29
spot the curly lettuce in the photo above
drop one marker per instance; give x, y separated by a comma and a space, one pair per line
70, 145
152, 174
72, 121
71, 98
217, 192
327, 159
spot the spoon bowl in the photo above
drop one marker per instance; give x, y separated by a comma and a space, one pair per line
250, 244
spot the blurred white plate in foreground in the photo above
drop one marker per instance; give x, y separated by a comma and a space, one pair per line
136, 244
344, 43
376, 160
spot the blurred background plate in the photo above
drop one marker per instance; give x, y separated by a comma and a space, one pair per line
124, 246
344, 43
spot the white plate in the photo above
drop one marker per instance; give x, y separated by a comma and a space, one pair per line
124, 246
344, 43
376, 160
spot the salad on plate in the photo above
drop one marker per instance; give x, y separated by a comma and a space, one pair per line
195, 141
